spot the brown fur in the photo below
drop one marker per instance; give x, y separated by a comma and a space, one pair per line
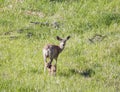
51, 69
53, 51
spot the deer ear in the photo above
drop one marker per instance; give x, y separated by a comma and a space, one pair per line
58, 38
68, 38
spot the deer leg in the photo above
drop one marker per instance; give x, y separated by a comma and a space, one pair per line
56, 63
49, 64
45, 63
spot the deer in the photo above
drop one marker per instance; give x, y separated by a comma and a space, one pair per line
52, 51
51, 69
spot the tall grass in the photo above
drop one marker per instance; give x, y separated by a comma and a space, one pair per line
84, 66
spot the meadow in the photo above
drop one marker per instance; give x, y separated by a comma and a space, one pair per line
90, 61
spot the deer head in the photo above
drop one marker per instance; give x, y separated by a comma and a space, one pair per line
62, 41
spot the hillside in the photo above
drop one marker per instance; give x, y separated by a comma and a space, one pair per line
90, 61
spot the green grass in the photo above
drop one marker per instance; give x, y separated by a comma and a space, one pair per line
82, 67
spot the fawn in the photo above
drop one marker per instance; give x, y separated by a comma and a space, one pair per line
53, 51
51, 69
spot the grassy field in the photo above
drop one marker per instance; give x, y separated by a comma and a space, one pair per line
90, 61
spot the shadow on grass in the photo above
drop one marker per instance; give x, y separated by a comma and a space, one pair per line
85, 73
